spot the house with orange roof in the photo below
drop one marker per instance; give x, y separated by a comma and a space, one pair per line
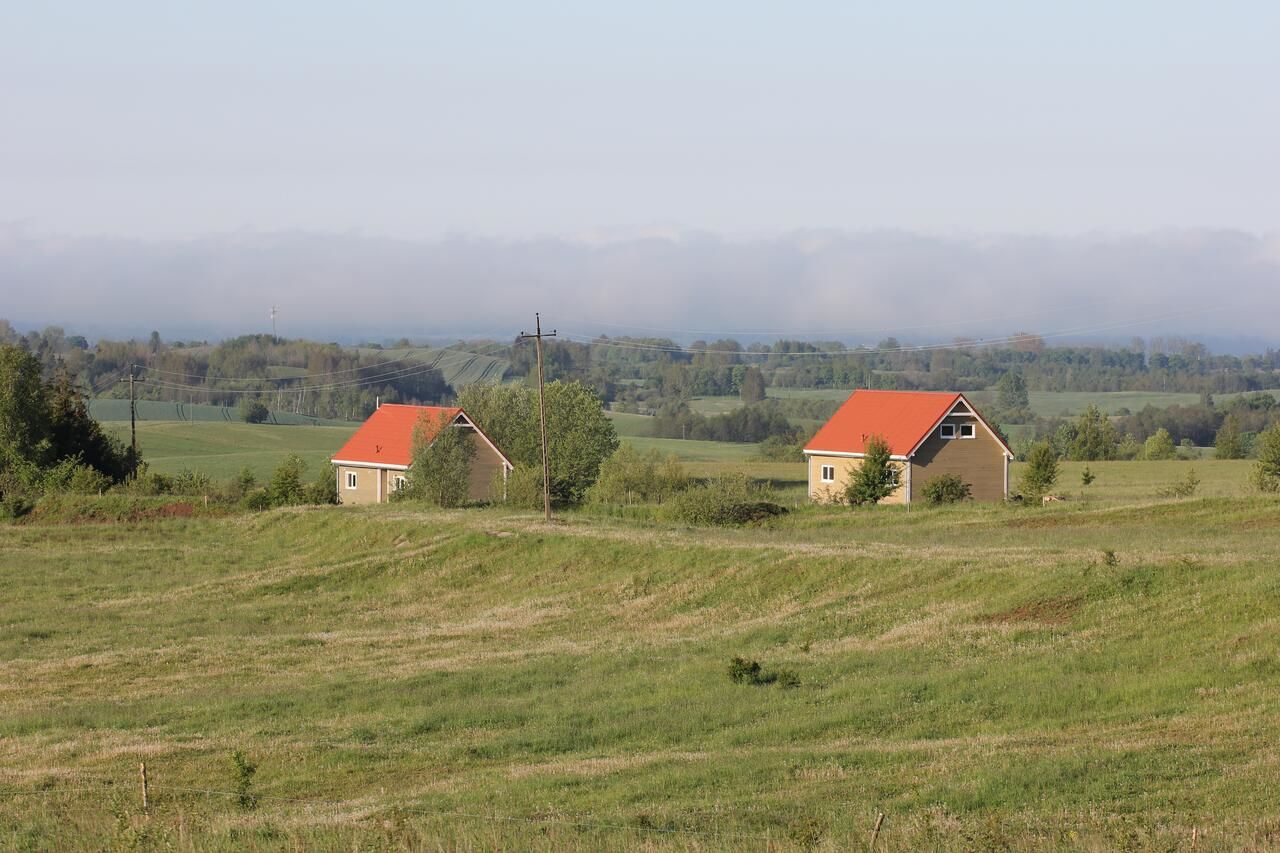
374, 463
929, 434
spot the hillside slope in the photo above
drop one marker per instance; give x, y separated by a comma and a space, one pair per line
987, 676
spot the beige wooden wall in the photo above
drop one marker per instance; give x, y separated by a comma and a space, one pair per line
978, 461
845, 466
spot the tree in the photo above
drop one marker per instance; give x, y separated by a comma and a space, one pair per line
1266, 472
1159, 445
253, 411
286, 486
1013, 403
579, 434
1041, 471
1229, 442
946, 489
24, 418
441, 469
876, 478
1095, 437
752, 386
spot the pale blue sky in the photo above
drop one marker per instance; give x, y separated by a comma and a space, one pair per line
417, 120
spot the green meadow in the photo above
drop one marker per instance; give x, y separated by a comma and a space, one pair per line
1100, 674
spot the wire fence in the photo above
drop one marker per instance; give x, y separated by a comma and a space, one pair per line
147, 791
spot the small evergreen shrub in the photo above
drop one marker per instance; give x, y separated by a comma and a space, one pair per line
745, 671
947, 489
243, 770
1184, 488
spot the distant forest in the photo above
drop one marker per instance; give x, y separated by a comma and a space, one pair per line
657, 376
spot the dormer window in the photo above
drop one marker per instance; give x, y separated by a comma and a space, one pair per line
947, 431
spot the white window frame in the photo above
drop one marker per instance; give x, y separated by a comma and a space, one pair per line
351, 479
970, 428
828, 469
946, 431
398, 482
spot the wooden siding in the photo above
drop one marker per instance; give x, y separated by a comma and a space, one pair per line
845, 466
486, 472
366, 490
978, 461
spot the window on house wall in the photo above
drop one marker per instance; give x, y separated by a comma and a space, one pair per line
351, 479
947, 431
399, 483
967, 431
828, 473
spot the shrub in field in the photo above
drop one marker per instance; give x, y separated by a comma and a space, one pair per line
13, 507
629, 476
71, 477
1041, 472
188, 482
144, 482
243, 770
322, 490
726, 501
286, 482
946, 489
1266, 472
256, 500
1184, 488
744, 671
876, 478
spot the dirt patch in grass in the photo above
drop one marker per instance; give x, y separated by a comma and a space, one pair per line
1049, 611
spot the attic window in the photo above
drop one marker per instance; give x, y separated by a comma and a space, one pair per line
967, 431
947, 431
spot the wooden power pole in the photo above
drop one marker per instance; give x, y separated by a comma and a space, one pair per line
133, 425
542, 413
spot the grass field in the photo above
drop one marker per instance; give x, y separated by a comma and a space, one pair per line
222, 449
985, 676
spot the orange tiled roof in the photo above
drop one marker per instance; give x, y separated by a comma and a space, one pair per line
386, 438
901, 418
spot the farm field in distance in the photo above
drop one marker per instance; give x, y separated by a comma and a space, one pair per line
1097, 674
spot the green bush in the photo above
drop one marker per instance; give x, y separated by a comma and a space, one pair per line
286, 481
13, 507
629, 476
256, 500
947, 489
727, 501
744, 671
876, 478
188, 482
253, 411
1266, 471
71, 477
1041, 471
1184, 488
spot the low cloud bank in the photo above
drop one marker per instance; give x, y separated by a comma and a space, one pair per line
857, 287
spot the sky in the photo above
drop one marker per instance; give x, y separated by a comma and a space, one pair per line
140, 134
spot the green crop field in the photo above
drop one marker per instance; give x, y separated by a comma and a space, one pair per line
458, 368
1095, 675
108, 409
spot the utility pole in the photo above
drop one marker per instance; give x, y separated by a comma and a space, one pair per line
273, 324
133, 425
542, 413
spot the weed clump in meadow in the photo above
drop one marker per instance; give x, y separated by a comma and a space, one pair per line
744, 671
244, 770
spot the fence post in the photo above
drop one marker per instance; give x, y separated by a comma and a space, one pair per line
875, 833
146, 802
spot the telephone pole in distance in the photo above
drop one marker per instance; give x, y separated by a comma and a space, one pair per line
542, 413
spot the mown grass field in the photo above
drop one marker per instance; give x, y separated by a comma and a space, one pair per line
985, 676
221, 450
